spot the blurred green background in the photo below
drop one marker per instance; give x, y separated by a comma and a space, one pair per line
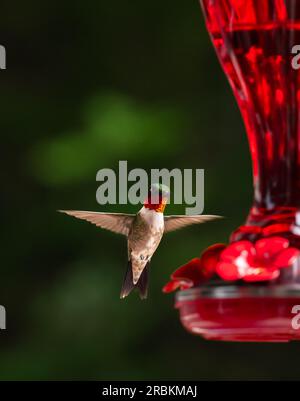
88, 84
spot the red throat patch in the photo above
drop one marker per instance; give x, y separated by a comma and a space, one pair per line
158, 207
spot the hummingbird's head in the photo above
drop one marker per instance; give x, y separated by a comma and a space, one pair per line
158, 197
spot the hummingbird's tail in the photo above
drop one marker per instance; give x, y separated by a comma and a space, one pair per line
141, 285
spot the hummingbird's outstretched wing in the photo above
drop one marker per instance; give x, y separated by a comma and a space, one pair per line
116, 222
176, 222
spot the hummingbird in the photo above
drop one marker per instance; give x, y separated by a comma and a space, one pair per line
143, 231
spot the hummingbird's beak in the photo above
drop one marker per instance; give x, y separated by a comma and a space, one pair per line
165, 200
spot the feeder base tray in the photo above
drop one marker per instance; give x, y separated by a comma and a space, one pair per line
245, 313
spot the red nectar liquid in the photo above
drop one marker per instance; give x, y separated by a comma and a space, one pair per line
254, 40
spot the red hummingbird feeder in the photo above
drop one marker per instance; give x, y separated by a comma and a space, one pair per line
248, 290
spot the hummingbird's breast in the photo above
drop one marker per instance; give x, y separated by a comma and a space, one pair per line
144, 238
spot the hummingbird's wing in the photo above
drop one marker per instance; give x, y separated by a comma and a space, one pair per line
176, 222
116, 222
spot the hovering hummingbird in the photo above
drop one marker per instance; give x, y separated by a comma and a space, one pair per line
143, 231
